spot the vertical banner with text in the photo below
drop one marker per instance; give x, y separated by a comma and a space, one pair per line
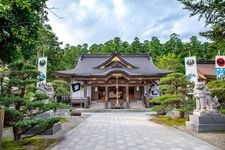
220, 67
42, 67
191, 68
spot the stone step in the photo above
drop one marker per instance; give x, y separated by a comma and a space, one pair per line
90, 110
97, 105
136, 105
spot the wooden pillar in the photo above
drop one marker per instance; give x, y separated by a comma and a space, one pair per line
127, 96
117, 92
106, 96
85, 95
148, 95
142, 93
2, 114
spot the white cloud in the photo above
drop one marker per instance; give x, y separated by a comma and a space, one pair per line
120, 9
96, 21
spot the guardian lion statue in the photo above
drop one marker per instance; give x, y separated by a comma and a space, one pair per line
204, 101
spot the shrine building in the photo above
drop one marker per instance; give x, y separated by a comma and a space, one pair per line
113, 80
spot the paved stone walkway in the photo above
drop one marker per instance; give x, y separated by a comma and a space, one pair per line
127, 131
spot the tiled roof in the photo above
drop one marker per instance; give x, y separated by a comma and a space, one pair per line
206, 69
87, 64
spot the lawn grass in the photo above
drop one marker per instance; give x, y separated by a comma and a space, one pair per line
34, 143
170, 121
9, 144
7, 128
63, 120
222, 111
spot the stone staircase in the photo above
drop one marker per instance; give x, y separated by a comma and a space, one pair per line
136, 105
97, 105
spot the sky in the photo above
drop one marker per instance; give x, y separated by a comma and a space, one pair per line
97, 21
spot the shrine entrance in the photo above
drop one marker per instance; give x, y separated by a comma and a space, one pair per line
117, 97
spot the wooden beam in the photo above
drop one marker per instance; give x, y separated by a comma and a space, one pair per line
114, 84
106, 96
127, 96
85, 95
148, 95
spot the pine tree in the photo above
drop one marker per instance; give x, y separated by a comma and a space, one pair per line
174, 92
213, 13
21, 101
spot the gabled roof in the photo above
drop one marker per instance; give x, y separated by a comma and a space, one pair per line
135, 65
114, 59
206, 69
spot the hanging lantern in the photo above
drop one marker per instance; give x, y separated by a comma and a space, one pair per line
137, 88
96, 89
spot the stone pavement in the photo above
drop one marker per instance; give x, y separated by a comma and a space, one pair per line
127, 131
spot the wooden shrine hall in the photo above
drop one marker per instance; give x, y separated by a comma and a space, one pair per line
113, 80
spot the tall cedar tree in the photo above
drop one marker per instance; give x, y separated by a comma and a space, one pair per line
22, 103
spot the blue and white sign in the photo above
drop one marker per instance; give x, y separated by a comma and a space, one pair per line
220, 73
191, 68
42, 67
220, 67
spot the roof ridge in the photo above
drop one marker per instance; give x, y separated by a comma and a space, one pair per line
109, 55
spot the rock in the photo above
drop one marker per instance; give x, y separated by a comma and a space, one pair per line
49, 113
51, 131
46, 88
75, 113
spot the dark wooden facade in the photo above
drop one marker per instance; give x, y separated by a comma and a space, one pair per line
116, 80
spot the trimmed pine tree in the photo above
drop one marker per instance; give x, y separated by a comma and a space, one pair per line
22, 103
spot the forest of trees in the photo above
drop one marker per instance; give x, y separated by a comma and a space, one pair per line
24, 35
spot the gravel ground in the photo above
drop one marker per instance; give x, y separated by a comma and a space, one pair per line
216, 138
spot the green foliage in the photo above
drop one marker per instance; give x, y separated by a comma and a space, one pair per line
61, 87
217, 87
9, 144
54, 106
168, 55
63, 120
188, 106
222, 111
167, 99
173, 45
175, 83
12, 115
34, 142
213, 13
40, 96
160, 109
171, 121
37, 122
174, 89
20, 20
21, 101
170, 61
37, 141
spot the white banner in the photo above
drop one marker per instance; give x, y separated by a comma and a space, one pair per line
42, 67
220, 67
191, 68
77, 90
